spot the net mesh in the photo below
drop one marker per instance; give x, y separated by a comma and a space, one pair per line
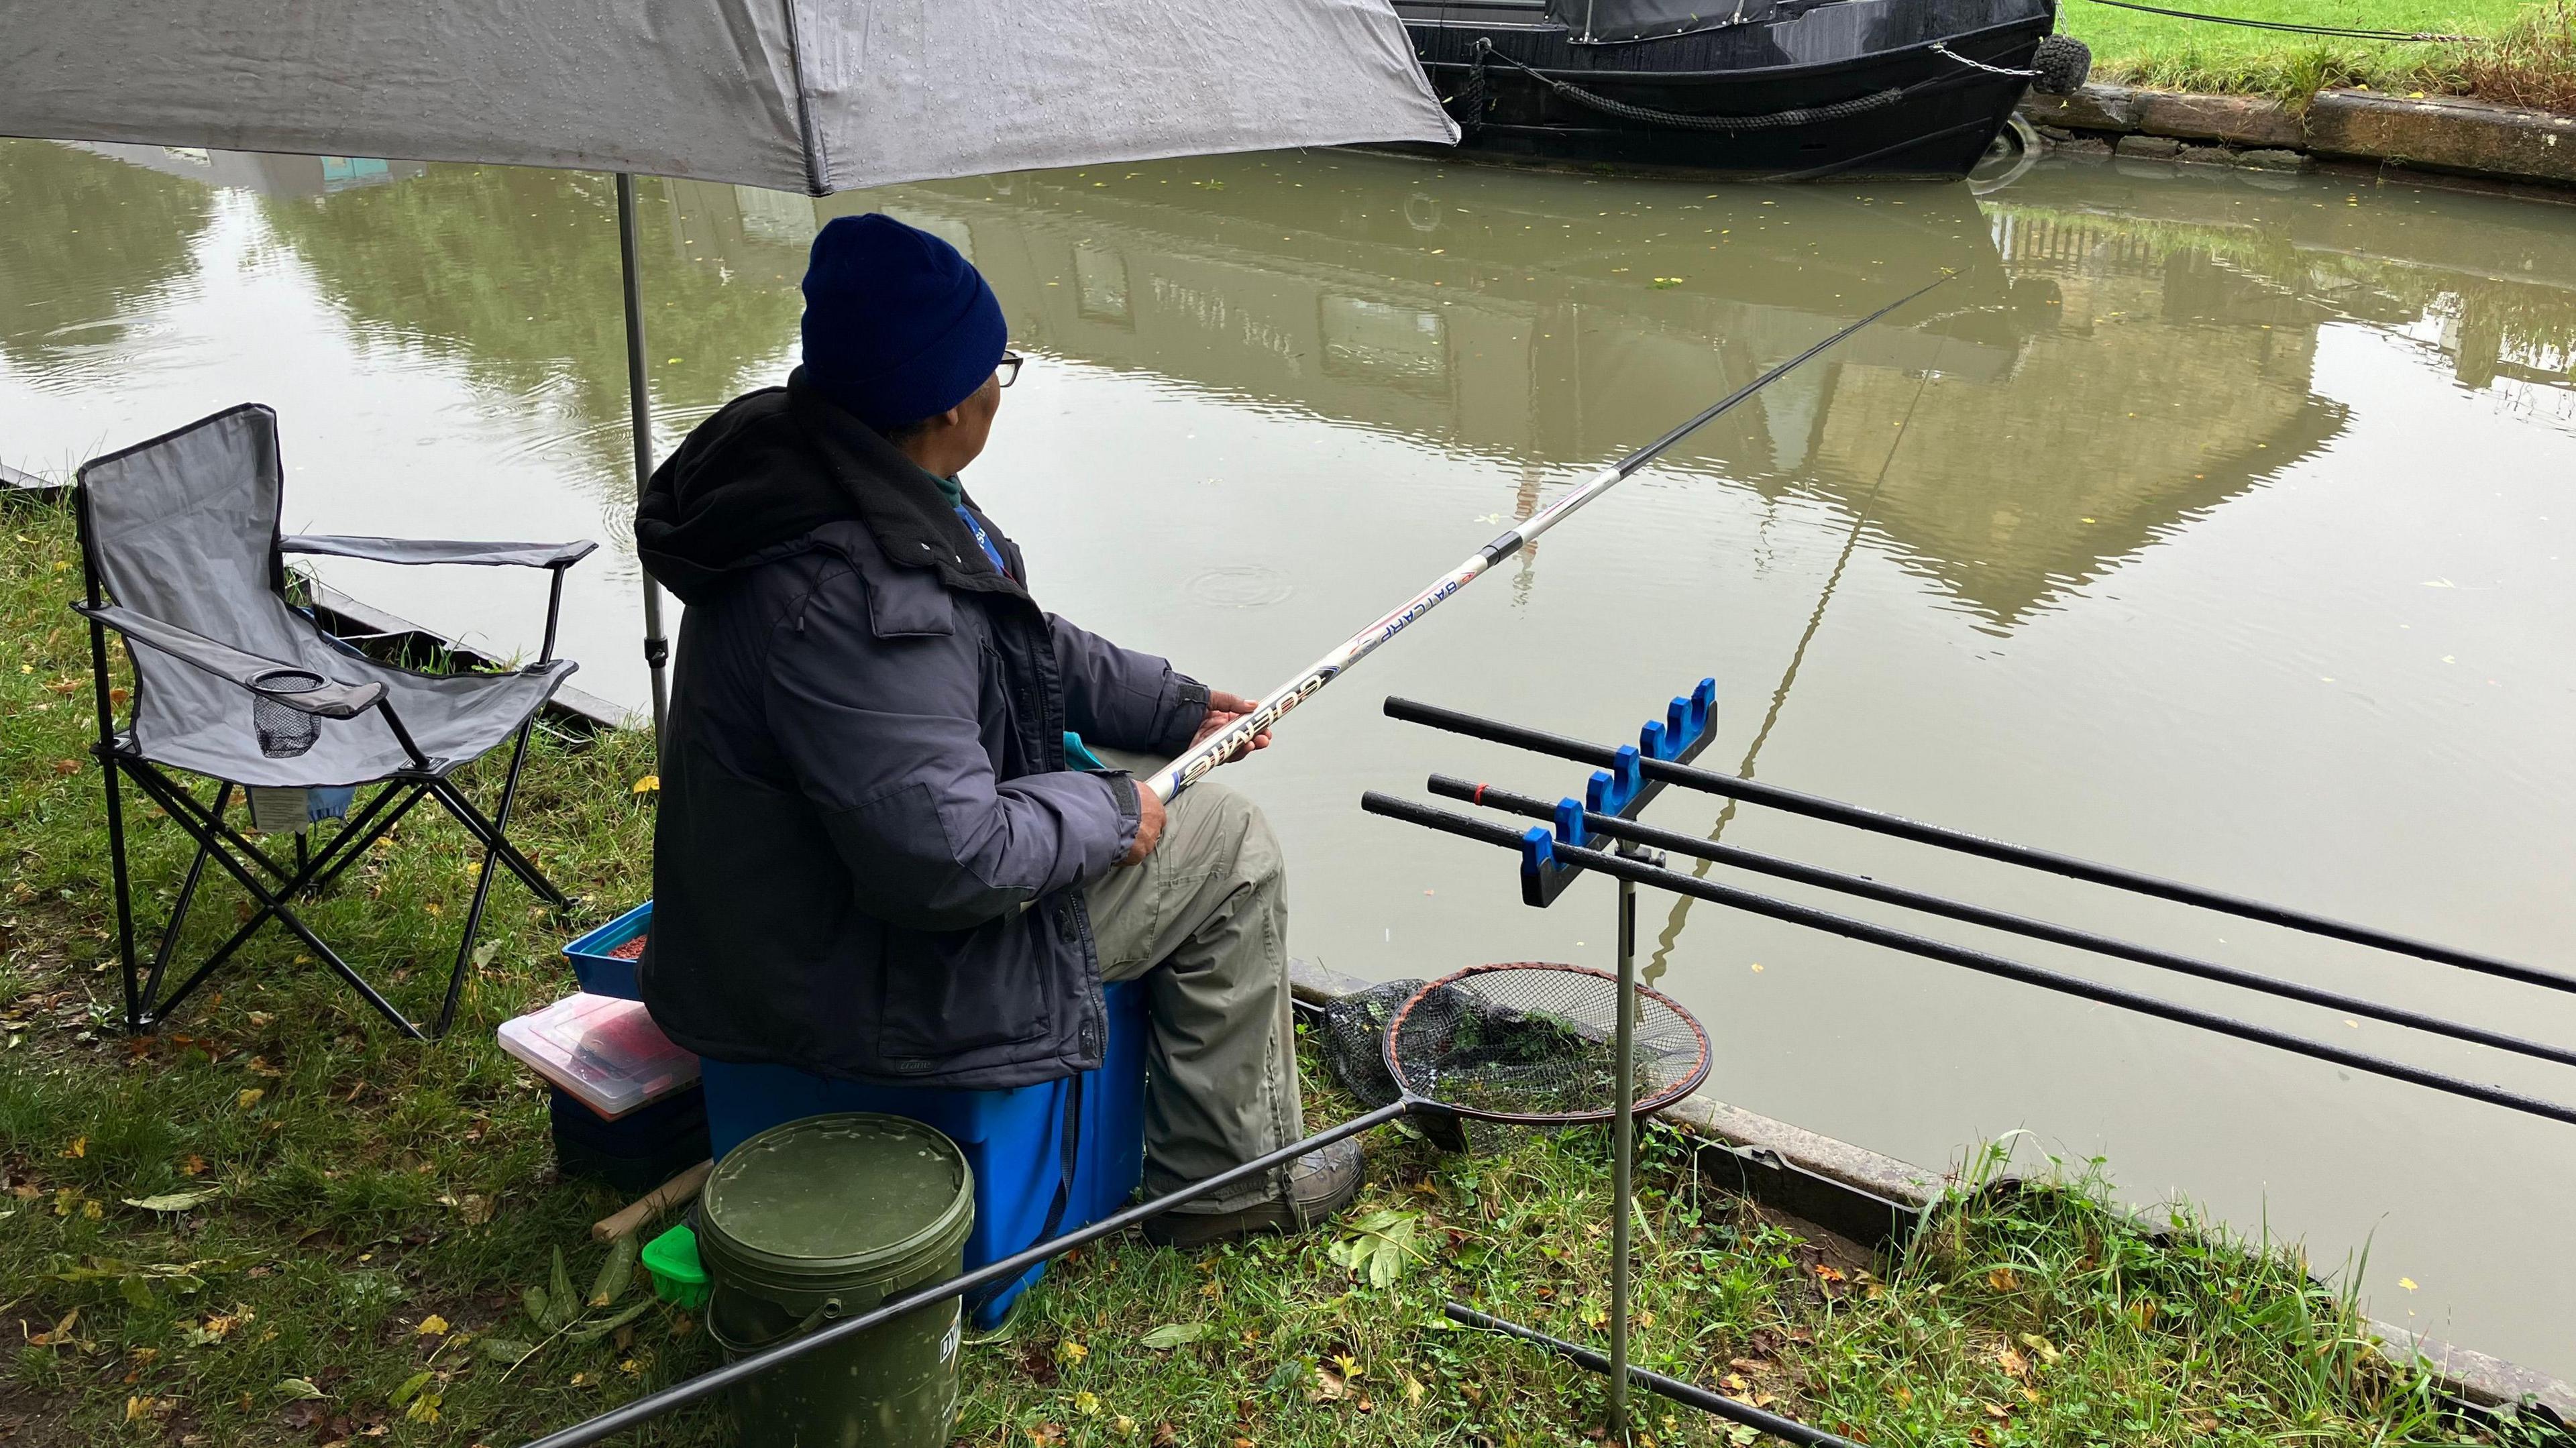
284, 731
1536, 1042
1352, 1039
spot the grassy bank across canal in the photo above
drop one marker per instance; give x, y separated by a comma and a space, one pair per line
2525, 54
275, 1222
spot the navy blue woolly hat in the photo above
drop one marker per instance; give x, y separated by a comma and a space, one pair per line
898, 326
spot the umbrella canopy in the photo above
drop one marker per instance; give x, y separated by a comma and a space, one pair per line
794, 95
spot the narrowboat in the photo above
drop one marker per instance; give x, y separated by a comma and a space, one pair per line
1773, 89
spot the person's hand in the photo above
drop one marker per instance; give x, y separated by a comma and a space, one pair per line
1149, 826
1223, 709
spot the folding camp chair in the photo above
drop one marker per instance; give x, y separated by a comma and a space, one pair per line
234, 684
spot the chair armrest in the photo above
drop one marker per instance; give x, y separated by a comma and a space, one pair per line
330, 701
438, 550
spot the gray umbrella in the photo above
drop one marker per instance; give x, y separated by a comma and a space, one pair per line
803, 95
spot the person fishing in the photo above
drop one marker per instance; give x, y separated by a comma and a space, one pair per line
883, 854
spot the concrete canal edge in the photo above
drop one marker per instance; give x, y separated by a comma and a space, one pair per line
1878, 1200
2441, 134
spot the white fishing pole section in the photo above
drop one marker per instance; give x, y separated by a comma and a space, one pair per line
1183, 772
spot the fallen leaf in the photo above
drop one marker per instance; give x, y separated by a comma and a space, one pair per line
648, 784
2003, 1279
506, 1349
432, 1326
174, 1201
1174, 1334
2047, 1351
1087, 1403
2406, 1282
79, 1147
1069, 1352
2013, 1363
249, 1097
296, 1389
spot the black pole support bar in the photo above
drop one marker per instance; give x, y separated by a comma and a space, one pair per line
1613, 827
1787, 1429
1617, 867
1859, 817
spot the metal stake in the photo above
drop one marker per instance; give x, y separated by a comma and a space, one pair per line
657, 650
1623, 1155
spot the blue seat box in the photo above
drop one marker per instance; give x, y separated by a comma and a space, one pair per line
1013, 1139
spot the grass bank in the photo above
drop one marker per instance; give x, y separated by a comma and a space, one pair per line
277, 1223
2525, 56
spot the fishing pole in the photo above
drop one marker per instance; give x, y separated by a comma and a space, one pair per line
1619, 867
1184, 771
1836, 811
1709, 851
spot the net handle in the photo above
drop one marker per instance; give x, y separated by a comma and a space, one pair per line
1646, 1106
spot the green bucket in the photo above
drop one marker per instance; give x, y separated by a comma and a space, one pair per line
820, 1219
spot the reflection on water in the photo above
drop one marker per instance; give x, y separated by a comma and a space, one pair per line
87, 241
2217, 525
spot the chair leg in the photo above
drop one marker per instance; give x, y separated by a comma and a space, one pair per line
366, 829
178, 921
134, 998
179, 801
490, 831
494, 842
271, 904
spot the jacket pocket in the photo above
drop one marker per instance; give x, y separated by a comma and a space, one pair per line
949, 993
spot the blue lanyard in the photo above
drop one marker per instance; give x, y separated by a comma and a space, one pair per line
983, 540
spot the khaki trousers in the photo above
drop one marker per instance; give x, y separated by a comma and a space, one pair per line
1203, 922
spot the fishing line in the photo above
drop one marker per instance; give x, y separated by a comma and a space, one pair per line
1680, 915
1184, 771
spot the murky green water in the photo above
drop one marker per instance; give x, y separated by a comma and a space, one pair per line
2214, 525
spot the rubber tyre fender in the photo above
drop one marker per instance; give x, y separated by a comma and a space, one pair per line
2061, 64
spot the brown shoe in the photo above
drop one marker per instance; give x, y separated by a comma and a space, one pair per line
1320, 1183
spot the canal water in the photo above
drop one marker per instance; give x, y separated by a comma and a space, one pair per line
2216, 525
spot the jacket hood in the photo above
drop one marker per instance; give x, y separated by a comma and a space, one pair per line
756, 480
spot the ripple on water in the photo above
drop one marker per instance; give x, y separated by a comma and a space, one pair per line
1245, 585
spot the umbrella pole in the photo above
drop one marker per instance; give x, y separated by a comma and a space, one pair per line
657, 650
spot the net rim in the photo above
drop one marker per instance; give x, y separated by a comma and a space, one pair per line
1690, 1081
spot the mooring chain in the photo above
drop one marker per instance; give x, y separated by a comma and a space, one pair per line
1946, 52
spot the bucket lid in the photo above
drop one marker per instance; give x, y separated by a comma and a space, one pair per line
852, 1199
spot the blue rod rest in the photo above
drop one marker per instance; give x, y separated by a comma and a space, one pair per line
1609, 790
1538, 853
1569, 823
1684, 723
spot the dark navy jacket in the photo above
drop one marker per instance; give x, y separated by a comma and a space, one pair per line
870, 856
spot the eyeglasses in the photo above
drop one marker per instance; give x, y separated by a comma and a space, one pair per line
1007, 371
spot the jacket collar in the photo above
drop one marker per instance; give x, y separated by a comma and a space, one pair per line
901, 505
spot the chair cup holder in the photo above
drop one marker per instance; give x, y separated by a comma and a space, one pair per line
284, 731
